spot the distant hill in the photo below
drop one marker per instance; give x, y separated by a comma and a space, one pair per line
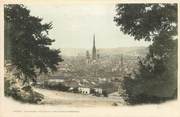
133, 51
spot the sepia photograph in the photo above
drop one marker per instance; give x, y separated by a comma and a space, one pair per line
81, 55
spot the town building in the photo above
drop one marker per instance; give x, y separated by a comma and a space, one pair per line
84, 90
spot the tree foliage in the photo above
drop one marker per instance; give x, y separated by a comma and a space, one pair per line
157, 76
27, 43
146, 21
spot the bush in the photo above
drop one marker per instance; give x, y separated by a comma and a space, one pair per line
114, 104
55, 86
24, 94
92, 91
146, 91
75, 90
105, 94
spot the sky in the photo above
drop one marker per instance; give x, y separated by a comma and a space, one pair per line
75, 24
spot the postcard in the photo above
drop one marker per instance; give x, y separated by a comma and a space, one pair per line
89, 58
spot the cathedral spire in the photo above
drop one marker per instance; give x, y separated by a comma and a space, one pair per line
94, 48
94, 41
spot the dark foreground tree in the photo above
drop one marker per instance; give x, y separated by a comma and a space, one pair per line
27, 43
156, 79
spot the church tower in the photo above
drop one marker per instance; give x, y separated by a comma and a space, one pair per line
94, 49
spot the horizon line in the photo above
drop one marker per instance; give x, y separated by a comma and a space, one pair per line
101, 47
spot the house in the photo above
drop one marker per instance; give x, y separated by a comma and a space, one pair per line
60, 79
84, 90
98, 90
71, 83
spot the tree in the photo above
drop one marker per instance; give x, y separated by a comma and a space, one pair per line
146, 21
157, 76
27, 43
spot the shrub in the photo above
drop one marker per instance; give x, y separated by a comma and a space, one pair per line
114, 104
105, 94
24, 94
56, 86
146, 91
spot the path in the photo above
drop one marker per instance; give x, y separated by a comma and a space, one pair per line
73, 99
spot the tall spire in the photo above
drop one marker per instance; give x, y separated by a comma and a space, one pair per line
94, 48
94, 41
